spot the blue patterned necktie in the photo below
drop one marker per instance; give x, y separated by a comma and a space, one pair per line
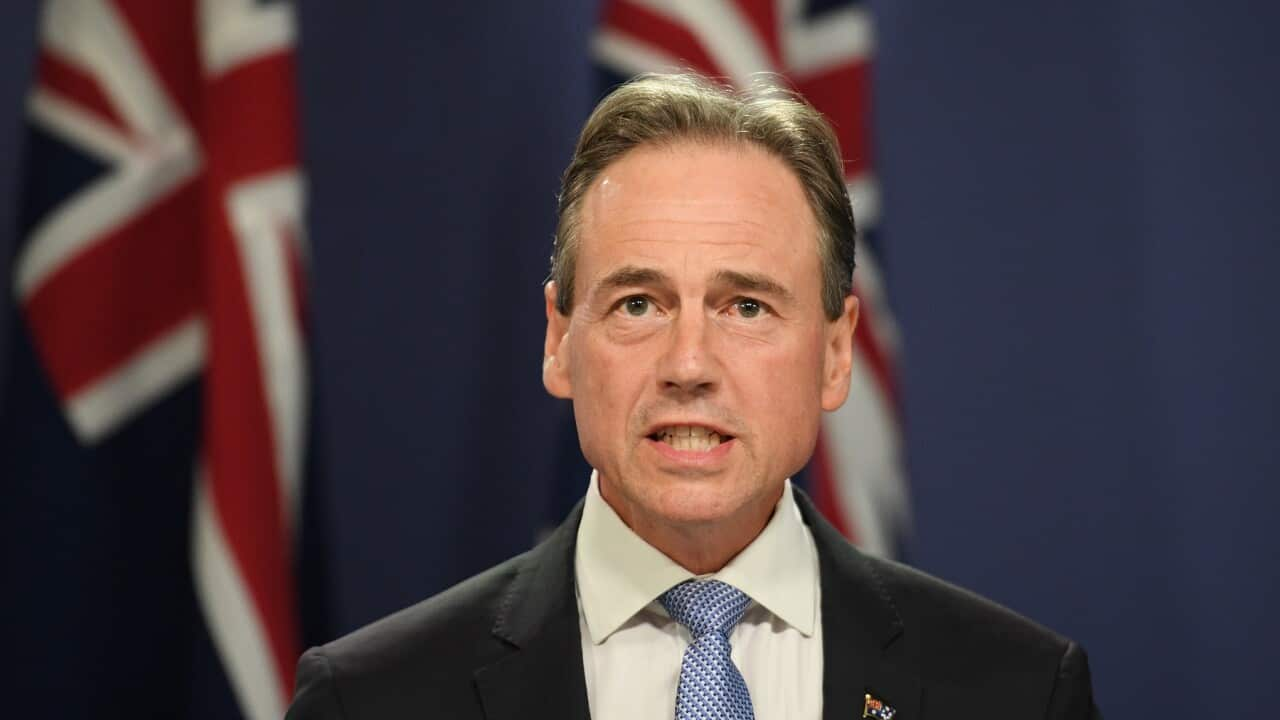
711, 688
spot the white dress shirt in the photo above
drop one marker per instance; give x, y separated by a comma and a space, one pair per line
631, 648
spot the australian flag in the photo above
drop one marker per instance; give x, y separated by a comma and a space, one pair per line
153, 425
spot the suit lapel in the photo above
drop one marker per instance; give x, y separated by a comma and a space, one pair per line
541, 675
863, 650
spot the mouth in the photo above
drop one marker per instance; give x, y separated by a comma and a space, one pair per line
690, 438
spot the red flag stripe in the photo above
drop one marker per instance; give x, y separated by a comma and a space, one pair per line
762, 15
257, 135
166, 33
79, 87
875, 356
843, 93
823, 476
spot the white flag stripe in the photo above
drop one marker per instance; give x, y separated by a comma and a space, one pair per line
165, 363
864, 449
864, 195
629, 56
80, 128
103, 206
238, 31
727, 36
262, 214
234, 623
842, 36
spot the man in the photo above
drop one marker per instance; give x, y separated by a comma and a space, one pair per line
700, 317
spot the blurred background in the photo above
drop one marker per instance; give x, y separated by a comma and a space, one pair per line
269, 359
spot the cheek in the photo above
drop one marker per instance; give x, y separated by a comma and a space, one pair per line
790, 367
604, 379
785, 387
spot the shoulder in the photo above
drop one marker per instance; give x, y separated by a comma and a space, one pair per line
424, 659
386, 668
946, 632
960, 641
943, 617
967, 650
453, 618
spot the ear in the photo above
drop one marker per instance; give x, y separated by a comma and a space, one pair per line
555, 369
838, 361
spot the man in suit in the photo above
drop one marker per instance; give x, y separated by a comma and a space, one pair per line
700, 317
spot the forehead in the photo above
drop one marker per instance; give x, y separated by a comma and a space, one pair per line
670, 200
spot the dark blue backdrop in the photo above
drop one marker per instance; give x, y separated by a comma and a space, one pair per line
1082, 224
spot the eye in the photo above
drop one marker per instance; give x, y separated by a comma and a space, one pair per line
636, 305
749, 308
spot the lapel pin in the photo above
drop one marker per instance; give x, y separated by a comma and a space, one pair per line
874, 707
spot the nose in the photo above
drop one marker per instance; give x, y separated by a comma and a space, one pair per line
688, 366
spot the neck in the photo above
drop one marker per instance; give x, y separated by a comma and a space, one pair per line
699, 546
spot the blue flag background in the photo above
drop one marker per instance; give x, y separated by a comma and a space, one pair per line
1081, 204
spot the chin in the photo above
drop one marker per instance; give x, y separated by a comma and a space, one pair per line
697, 503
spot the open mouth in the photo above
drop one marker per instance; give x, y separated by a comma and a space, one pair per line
692, 438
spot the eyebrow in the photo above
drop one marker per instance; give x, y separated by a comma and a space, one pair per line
631, 276
754, 283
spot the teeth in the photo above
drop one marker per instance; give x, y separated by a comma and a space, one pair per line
690, 437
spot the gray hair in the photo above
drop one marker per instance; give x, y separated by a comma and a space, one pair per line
664, 109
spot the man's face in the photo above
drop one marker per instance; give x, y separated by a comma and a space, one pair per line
697, 355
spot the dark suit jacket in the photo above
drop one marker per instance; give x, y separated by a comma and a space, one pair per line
505, 645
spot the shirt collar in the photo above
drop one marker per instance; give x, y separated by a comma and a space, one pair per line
619, 574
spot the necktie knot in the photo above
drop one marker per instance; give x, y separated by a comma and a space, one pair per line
705, 606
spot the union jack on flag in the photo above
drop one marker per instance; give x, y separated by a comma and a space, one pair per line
823, 47
164, 250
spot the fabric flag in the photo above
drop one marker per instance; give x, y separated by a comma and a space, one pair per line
153, 431
823, 48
